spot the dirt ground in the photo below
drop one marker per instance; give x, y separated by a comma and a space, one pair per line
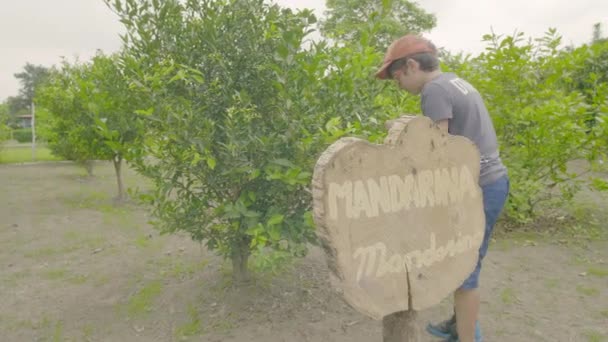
76, 267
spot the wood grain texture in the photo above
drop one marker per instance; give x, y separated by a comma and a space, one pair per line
400, 223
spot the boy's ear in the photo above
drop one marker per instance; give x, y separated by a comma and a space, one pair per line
411, 63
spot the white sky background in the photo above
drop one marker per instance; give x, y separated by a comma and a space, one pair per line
41, 31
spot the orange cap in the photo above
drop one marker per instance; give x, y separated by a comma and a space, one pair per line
405, 46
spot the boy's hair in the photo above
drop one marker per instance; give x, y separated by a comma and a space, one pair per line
428, 62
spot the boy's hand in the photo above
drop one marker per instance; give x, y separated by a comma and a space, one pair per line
443, 125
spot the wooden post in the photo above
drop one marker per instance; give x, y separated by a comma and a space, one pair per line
33, 131
401, 327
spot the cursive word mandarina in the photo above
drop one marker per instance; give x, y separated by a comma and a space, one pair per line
374, 261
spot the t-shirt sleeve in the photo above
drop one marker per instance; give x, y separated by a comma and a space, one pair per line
436, 103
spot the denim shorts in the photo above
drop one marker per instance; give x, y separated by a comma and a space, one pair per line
494, 198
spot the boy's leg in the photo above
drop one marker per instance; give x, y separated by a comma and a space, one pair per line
466, 299
466, 306
466, 303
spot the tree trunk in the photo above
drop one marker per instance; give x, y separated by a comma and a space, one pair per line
240, 269
401, 327
118, 168
88, 165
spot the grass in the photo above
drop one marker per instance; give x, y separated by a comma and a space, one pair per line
46, 252
581, 234
88, 199
14, 324
77, 279
58, 332
589, 216
23, 154
598, 272
121, 216
87, 332
115, 214
587, 291
148, 242
526, 237
75, 241
13, 279
142, 241
505, 241
53, 329
101, 279
552, 283
507, 296
143, 300
172, 268
56, 274
65, 275
192, 327
91, 242
182, 270
594, 336
224, 326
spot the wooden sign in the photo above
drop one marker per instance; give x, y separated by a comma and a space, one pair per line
401, 223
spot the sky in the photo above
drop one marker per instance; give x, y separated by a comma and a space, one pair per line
42, 31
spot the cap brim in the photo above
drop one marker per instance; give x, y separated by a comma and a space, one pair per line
382, 73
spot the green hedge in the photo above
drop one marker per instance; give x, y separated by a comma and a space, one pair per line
23, 135
5, 133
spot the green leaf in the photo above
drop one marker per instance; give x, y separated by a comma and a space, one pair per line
386, 5
255, 230
254, 174
283, 162
145, 112
251, 214
181, 75
115, 146
275, 219
196, 158
600, 184
283, 51
198, 78
211, 162
275, 234
118, 5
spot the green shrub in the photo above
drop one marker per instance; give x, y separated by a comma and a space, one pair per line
23, 135
5, 133
540, 118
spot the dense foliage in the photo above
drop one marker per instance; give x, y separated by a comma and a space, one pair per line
546, 109
22, 135
5, 131
91, 114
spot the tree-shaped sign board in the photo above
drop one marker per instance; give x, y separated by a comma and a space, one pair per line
401, 223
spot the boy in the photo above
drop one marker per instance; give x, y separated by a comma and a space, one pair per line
457, 108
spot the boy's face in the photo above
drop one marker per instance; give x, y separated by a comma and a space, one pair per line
409, 77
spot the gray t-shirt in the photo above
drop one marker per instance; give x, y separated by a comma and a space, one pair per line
450, 97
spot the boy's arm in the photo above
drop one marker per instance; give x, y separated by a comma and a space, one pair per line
437, 105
